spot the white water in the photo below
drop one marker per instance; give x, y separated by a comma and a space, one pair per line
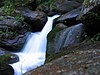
33, 53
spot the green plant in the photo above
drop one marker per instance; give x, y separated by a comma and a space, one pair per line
5, 58
96, 37
50, 3
19, 17
8, 8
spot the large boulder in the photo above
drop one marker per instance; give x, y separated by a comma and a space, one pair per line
51, 38
64, 6
6, 69
90, 16
64, 38
35, 19
13, 33
7, 57
3, 51
69, 18
76, 63
69, 36
58, 6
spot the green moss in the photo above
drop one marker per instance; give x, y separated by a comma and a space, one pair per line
86, 1
96, 38
89, 18
10, 5
1, 18
19, 17
50, 3
7, 34
8, 8
52, 34
5, 58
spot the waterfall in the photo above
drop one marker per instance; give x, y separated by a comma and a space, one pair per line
34, 51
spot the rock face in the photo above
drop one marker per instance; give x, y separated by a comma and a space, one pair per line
64, 38
12, 33
90, 16
58, 6
6, 69
69, 18
69, 36
51, 38
64, 6
79, 63
36, 19
7, 57
3, 51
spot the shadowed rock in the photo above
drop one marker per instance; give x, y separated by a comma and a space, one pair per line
64, 38
36, 19
13, 33
6, 69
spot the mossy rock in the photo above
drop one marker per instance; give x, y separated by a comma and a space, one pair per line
8, 58
51, 38
85, 45
91, 20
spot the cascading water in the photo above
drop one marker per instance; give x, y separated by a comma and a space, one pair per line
33, 54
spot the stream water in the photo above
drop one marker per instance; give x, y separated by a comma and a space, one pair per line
34, 51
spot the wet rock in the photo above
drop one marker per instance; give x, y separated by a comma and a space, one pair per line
83, 46
7, 57
12, 33
69, 36
61, 26
77, 63
6, 69
90, 17
87, 6
35, 19
3, 51
64, 37
70, 18
66, 5
58, 6
15, 44
51, 38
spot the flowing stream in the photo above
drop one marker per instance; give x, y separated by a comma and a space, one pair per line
34, 51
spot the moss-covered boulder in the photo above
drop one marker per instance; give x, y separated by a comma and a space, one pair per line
51, 38
60, 38
90, 16
7, 57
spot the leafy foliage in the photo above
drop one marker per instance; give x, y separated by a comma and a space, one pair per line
8, 8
